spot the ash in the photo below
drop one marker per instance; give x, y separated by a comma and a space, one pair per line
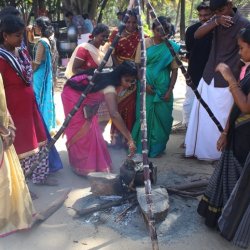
181, 221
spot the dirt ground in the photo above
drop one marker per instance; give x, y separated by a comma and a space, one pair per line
182, 228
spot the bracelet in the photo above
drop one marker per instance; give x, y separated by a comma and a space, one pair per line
12, 127
130, 143
6, 135
224, 133
233, 86
216, 22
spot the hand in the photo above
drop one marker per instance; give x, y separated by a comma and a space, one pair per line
29, 28
6, 137
221, 143
225, 71
225, 21
168, 95
132, 148
149, 90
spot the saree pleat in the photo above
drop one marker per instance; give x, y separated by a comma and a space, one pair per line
86, 147
159, 112
226, 202
43, 88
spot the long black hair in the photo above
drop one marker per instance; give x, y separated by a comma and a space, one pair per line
104, 79
244, 35
10, 24
45, 25
164, 22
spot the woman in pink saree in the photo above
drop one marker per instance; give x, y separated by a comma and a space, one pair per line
86, 147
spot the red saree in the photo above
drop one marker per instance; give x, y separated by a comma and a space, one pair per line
126, 47
125, 50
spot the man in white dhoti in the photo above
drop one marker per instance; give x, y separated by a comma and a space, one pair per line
202, 133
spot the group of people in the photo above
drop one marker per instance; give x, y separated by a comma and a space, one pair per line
81, 23
86, 147
27, 117
219, 58
219, 68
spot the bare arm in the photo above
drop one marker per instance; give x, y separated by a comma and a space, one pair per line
241, 100
77, 66
111, 101
115, 60
215, 21
40, 52
174, 74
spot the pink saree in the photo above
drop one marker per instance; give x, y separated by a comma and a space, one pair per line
87, 149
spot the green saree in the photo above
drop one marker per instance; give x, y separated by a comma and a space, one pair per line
159, 112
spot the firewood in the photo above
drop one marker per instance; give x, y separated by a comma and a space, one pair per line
105, 183
100, 207
51, 209
190, 185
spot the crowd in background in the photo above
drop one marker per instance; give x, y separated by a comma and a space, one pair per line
218, 56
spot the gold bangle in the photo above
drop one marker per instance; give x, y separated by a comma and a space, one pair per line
130, 142
233, 86
215, 21
224, 133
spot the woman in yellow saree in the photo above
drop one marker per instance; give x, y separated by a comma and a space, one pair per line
16, 208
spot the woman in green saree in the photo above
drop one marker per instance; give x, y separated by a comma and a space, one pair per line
161, 75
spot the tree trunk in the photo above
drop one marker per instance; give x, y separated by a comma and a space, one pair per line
92, 9
104, 3
191, 10
178, 13
182, 21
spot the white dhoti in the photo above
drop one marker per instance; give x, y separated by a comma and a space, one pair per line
187, 105
202, 133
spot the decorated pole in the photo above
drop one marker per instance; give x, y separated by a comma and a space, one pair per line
183, 70
92, 81
152, 229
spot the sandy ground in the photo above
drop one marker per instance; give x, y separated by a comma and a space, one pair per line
182, 229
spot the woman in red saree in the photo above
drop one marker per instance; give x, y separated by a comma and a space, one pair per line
125, 50
86, 147
89, 56
30, 134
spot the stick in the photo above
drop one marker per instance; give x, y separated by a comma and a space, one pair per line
196, 184
123, 213
147, 181
95, 208
54, 206
182, 192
